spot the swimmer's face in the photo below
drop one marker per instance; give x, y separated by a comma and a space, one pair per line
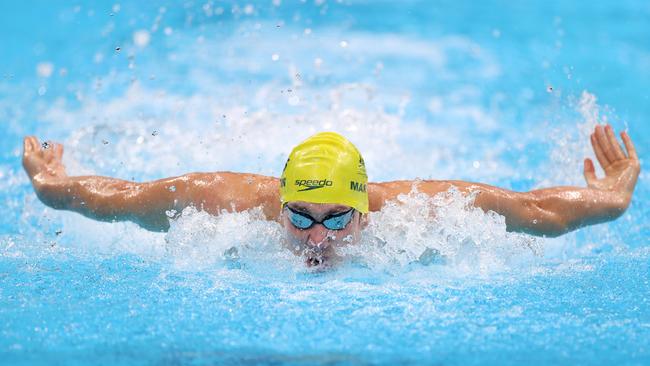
318, 243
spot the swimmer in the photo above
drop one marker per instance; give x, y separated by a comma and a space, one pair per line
323, 196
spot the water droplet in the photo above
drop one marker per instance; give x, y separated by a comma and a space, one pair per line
172, 188
45, 145
118, 49
535, 222
44, 69
343, 44
104, 142
141, 38
42, 90
58, 232
168, 31
154, 133
171, 213
275, 57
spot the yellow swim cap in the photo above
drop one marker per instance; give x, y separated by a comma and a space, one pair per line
325, 168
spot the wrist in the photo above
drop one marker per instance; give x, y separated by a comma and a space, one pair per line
54, 192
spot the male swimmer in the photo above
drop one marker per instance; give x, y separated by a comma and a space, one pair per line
323, 196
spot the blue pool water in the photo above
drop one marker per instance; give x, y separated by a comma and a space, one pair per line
499, 92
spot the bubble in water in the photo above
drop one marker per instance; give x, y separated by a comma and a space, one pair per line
168, 31
275, 57
172, 188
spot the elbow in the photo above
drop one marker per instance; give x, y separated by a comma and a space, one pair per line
545, 221
550, 226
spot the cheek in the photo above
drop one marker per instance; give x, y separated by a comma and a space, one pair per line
291, 231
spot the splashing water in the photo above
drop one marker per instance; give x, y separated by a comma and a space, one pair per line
445, 229
444, 92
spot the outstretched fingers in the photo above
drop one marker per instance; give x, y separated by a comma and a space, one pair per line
629, 146
603, 141
615, 146
598, 150
590, 172
30, 144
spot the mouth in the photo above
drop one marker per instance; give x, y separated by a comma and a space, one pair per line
316, 257
314, 262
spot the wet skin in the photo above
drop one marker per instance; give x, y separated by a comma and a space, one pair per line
318, 243
544, 212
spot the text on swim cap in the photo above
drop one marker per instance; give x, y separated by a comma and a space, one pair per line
359, 187
313, 184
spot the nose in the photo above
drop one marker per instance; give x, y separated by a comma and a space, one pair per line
319, 237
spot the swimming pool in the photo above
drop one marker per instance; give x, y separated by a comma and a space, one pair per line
494, 92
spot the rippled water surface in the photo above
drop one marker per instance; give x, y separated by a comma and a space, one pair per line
496, 92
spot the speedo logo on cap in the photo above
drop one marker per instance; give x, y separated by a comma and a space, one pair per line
311, 184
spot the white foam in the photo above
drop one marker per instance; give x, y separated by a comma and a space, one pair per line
217, 125
446, 230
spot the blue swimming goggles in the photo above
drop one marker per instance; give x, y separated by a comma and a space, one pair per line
337, 221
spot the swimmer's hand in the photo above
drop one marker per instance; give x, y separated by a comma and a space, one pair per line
549, 211
621, 169
43, 164
148, 204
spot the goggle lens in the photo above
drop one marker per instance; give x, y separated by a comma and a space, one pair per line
333, 222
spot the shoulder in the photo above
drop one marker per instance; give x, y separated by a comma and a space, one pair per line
232, 191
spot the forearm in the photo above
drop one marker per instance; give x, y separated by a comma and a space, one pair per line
543, 212
556, 211
109, 199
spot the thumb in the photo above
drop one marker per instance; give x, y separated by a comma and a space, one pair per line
590, 172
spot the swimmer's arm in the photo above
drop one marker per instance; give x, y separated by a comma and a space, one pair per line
551, 211
147, 204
